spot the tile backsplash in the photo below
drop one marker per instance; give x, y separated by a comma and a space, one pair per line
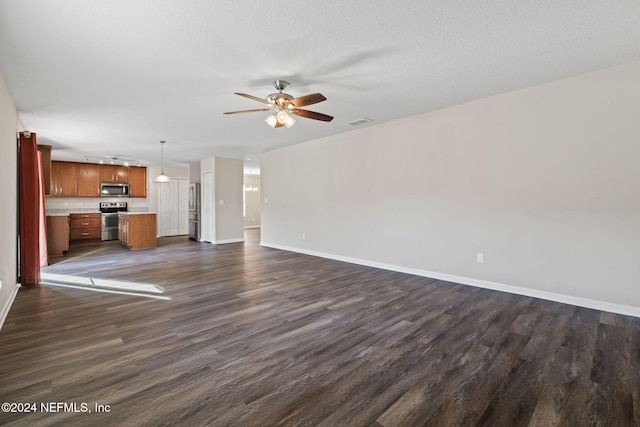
59, 205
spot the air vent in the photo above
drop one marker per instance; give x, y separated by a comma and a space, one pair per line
359, 122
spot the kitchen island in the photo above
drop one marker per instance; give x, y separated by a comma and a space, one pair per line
137, 230
57, 234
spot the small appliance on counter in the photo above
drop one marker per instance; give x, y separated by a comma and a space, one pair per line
194, 211
109, 213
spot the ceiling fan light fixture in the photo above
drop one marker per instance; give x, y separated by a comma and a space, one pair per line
290, 122
282, 117
272, 120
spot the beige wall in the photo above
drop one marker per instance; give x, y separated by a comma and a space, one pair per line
194, 172
225, 214
228, 194
543, 181
8, 194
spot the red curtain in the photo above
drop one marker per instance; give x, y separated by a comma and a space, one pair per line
44, 253
31, 210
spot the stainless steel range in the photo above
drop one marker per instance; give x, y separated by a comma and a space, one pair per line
109, 221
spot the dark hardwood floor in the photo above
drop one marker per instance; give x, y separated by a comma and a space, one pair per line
254, 336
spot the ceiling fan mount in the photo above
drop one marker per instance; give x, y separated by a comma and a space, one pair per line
280, 85
282, 104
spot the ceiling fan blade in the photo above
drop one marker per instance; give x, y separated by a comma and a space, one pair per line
255, 98
248, 111
303, 101
311, 115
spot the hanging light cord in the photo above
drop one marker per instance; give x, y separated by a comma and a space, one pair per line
162, 154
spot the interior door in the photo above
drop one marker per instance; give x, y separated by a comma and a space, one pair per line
173, 208
168, 208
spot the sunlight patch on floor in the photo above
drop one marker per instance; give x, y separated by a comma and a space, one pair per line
149, 290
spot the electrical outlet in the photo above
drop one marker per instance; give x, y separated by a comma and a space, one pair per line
304, 236
480, 258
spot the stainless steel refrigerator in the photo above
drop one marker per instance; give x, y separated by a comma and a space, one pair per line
194, 211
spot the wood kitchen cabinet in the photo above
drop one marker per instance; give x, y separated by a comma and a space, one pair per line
114, 174
72, 179
85, 226
57, 235
45, 156
122, 229
88, 180
64, 179
137, 181
137, 230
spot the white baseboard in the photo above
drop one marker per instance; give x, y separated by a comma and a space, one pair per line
5, 310
251, 226
626, 310
220, 242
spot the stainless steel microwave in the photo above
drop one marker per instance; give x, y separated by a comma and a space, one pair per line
114, 190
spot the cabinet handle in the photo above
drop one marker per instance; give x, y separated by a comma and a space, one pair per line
85, 234
84, 223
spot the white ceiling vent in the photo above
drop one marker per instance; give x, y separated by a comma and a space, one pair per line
359, 122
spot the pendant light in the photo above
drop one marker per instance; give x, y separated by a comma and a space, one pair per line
162, 178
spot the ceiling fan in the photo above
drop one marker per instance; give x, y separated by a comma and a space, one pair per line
283, 104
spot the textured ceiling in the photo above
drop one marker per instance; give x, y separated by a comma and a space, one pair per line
101, 78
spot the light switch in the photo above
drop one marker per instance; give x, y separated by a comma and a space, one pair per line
221, 202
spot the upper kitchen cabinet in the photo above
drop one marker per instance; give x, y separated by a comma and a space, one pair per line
72, 179
88, 180
114, 174
45, 156
64, 179
137, 181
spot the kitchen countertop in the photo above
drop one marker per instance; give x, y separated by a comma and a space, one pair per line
61, 212
137, 213
68, 213
65, 212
